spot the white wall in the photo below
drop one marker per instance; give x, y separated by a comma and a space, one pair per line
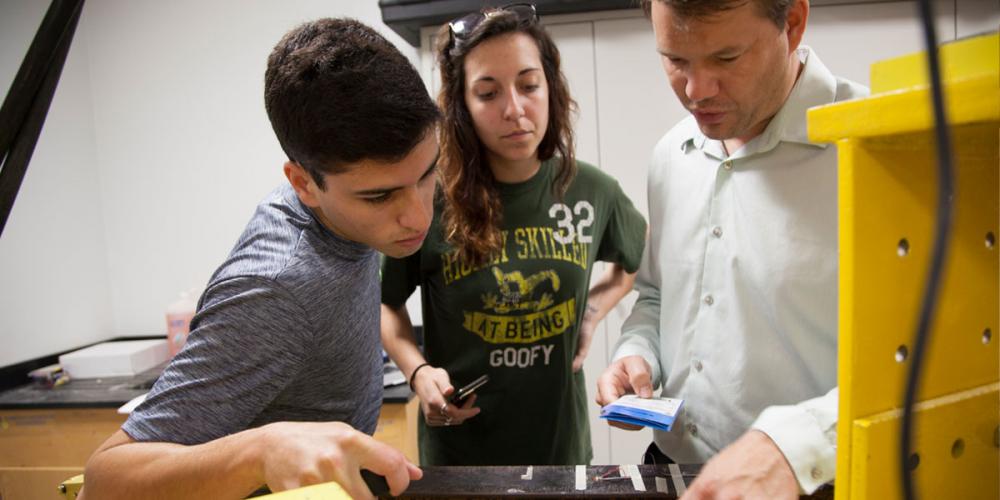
54, 286
155, 152
185, 147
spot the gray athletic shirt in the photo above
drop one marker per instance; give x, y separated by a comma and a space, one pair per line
287, 330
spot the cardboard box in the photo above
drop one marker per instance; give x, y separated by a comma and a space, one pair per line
115, 359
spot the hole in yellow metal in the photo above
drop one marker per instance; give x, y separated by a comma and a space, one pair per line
957, 448
903, 248
901, 354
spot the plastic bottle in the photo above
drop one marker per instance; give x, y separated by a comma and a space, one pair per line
179, 314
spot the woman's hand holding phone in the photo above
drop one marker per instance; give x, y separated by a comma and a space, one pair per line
433, 386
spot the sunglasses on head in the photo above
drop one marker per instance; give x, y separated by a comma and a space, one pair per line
462, 27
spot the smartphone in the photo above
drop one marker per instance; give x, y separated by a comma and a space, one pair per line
466, 391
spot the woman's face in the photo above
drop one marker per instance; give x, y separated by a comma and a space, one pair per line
508, 97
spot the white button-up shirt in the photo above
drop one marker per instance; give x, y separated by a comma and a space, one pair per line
737, 312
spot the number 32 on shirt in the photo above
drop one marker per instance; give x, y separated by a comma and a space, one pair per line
584, 213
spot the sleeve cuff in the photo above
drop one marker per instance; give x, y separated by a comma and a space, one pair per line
802, 437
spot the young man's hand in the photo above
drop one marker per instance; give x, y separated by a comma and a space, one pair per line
296, 454
629, 375
433, 386
750, 467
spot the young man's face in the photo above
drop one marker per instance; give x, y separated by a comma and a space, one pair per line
732, 71
387, 206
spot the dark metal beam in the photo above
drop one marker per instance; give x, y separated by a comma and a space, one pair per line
406, 17
27, 102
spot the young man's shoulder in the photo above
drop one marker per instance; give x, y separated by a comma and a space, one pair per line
283, 239
270, 237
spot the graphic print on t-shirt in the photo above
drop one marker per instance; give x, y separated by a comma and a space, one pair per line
523, 312
527, 302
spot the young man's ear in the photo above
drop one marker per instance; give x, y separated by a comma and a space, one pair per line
795, 23
303, 183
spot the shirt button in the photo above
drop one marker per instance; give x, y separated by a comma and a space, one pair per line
728, 165
717, 231
693, 429
697, 366
709, 300
816, 473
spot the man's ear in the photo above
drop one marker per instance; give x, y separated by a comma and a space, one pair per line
795, 23
303, 184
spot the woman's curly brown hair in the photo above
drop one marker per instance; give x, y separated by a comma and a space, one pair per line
473, 212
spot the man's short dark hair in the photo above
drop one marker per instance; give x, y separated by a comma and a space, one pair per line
775, 10
337, 92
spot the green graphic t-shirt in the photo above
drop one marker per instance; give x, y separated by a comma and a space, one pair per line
516, 318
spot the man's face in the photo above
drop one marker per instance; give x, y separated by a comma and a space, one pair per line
387, 206
732, 71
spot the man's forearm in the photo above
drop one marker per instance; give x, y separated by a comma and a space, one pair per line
641, 330
806, 434
228, 467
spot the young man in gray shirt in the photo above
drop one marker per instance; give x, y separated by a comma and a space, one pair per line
280, 381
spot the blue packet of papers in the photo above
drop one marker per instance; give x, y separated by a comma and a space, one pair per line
658, 413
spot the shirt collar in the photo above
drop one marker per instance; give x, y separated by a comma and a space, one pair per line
815, 86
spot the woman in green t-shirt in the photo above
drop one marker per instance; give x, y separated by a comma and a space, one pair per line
505, 269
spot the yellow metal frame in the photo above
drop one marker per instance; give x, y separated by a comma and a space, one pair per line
325, 491
887, 192
71, 487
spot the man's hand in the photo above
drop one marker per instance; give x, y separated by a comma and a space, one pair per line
751, 467
296, 454
433, 385
629, 375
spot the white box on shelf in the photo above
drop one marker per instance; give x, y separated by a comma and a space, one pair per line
115, 359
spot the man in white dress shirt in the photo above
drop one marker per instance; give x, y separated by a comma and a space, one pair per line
737, 312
